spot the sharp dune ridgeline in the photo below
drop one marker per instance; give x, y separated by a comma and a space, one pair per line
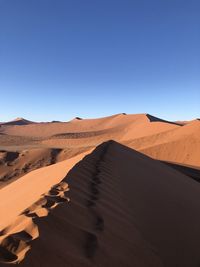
119, 191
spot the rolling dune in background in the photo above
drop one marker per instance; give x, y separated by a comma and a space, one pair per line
42, 144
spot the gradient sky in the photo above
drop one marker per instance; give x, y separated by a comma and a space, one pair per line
91, 58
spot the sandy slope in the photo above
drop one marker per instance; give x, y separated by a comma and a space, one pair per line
181, 145
16, 164
25, 191
125, 210
25, 198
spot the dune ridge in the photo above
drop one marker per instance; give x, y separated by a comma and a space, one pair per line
125, 209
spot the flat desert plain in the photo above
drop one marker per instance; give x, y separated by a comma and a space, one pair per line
121, 191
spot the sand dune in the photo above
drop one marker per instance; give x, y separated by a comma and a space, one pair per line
125, 209
181, 145
158, 138
28, 190
32, 195
16, 164
18, 121
77, 125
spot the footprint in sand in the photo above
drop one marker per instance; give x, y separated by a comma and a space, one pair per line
15, 239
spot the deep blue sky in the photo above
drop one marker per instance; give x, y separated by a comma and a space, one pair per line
91, 58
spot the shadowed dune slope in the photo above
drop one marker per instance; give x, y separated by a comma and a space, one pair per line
194, 173
125, 210
18, 121
155, 119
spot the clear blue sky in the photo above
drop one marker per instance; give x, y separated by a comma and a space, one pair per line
91, 58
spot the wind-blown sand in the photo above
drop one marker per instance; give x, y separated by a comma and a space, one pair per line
125, 209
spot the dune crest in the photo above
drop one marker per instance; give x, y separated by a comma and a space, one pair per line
125, 209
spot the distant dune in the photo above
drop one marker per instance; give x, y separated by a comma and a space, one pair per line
18, 121
141, 124
179, 146
76, 119
158, 138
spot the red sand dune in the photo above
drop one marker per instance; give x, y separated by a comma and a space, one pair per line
155, 137
18, 121
125, 209
86, 125
181, 145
